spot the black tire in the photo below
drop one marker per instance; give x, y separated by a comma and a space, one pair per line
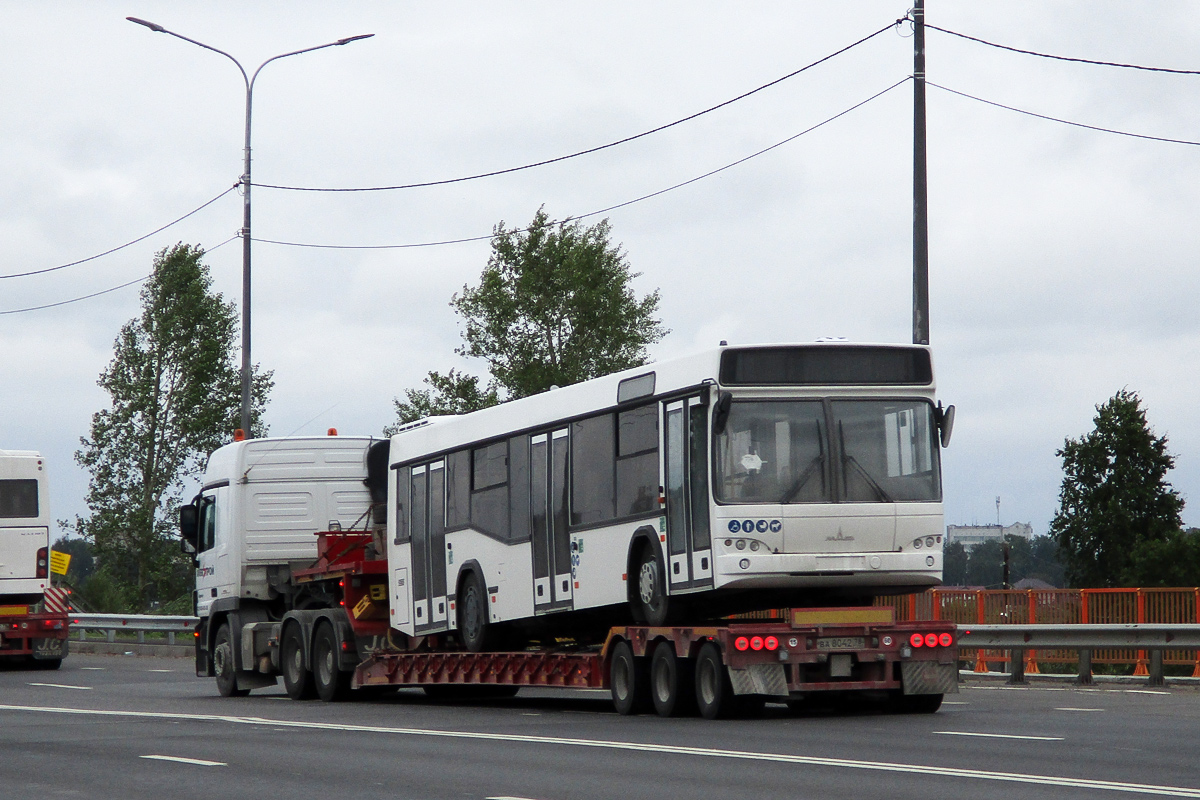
332, 684
297, 678
223, 664
714, 692
650, 604
672, 682
628, 681
474, 628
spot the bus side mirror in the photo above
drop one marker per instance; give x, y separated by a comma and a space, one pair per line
721, 412
189, 527
945, 423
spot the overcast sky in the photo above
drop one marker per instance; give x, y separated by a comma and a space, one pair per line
1063, 261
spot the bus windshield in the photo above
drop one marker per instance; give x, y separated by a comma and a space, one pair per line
825, 451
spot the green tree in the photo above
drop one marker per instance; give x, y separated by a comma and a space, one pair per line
452, 393
1172, 561
174, 394
554, 306
1115, 496
954, 565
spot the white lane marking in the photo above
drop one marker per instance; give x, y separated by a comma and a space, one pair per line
1068, 708
197, 761
160, 670
955, 703
62, 686
1001, 736
1143, 691
98, 669
921, 770
507, 797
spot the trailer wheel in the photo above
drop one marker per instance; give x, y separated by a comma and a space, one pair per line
672, 682
473, 613
223, 664
628, 680
651, 603
297, 679
714, 692
332, 684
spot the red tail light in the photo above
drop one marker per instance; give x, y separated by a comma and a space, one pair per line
931, 640
742, 643
917, 640
945, 640
756, 643
771, 643
42, 554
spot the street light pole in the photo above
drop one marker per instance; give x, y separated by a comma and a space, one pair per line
245, 181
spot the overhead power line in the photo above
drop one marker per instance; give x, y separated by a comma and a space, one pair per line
589, 150
97, 294
603, 210
120, 247
1063, 121
1063, 58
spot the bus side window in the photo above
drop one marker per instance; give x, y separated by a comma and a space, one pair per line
518, 489
489, 489
458, 490
403, 490
637, 461
592, 466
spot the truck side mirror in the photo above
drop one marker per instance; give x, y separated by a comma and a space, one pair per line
189, 526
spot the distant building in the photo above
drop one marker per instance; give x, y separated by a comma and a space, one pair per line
971, 535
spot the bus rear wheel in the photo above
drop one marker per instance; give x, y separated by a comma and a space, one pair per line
650, 603
474, 630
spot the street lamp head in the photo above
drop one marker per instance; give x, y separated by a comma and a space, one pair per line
349, 39
150, 25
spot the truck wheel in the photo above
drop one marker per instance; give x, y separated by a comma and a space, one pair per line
332, 684
651, 603
297, 679
223, 664
714, 692
628, 680
672, 682
473, 624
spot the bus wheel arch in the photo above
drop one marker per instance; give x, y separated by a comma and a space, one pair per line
646, 586
472, 609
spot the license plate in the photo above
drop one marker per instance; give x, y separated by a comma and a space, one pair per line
842, 643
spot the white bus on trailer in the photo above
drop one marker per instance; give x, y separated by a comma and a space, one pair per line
737, 478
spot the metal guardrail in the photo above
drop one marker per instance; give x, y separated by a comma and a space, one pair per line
139, 623
1152, 638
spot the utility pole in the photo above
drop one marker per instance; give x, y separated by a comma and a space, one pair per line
920, 193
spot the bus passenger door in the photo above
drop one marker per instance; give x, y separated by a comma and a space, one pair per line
552, 589
689, 542
428, 528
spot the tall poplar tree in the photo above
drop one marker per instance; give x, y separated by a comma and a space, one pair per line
174, 389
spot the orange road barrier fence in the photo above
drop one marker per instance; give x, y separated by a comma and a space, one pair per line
1056, 606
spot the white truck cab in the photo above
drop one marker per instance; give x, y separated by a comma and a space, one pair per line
260, 505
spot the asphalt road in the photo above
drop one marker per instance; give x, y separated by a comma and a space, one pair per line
132, 728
